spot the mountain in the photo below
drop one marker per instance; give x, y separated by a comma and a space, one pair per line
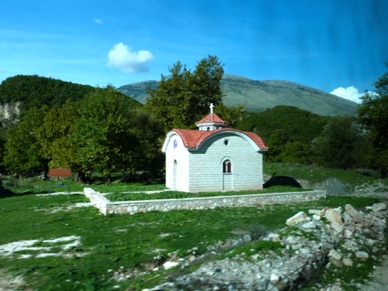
260, 95
138, 91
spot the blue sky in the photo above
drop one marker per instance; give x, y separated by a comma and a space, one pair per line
327, 44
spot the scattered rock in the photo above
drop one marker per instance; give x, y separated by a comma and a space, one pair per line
333, 216
168, 265
299, 217
347, 262
354, 214
379, 207
333, 241
334, 254
361, 255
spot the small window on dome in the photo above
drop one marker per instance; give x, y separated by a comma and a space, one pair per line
226, 141
208, 128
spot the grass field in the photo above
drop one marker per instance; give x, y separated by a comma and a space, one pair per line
126, 243
77, 248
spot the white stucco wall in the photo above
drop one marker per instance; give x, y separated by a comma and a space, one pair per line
202, 170
178, 178
206, 165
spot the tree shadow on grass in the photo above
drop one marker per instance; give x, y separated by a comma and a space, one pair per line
5, 192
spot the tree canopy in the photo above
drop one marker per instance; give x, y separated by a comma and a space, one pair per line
35, 91
373, 114
112, 134
183, 97
22, 150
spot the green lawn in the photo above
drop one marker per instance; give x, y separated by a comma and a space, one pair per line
122, 243
131, 244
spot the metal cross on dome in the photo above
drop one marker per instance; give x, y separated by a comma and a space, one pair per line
211, 108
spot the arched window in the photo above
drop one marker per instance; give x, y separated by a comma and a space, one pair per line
227, 167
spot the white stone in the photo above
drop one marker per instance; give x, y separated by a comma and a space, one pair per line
355, 215
168, 265
316, 217
347, 262
314, 211
308, 225
334, 254
275, 278
299, 217
333, 215
362, 255
379, 207
273, 237
337, 227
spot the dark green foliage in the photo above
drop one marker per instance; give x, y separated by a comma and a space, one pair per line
55, 135
373, 114
289, 122
112, 134
287, 131
342, 144
35, 91
22, 150
183, 98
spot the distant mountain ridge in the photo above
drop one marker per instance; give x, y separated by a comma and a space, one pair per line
257, 96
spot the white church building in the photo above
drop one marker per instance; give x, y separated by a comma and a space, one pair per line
213, 158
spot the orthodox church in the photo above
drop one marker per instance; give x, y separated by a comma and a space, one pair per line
213, 158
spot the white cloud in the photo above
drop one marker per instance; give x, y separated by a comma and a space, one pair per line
98, 21
123, 58
351, 93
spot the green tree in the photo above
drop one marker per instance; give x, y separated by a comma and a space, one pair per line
150, 134
295, 152
104, 140
232, 115
22, 150
339, 144
373, 114
55, 135
2, 145
183, 98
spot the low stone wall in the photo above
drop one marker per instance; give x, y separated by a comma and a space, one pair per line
97, 200
132, 207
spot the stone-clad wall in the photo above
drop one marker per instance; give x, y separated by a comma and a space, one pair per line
132, 207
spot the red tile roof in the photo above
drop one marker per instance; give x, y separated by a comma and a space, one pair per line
211, 118
193, 139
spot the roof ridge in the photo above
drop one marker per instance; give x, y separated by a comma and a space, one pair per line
212, 117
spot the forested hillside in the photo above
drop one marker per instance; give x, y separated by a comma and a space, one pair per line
295, 123
299, 136
100, 129
36, 91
